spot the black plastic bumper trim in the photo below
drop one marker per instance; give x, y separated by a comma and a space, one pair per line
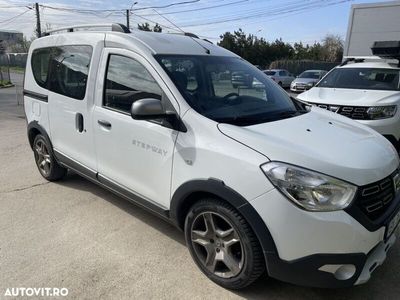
304, 271
36, 96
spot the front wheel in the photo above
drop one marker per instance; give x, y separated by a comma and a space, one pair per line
223, 245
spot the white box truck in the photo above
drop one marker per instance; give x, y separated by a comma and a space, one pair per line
369, 23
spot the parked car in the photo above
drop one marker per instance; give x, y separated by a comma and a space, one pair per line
280, 76
241, 79
306, 80
258, 181
363, 90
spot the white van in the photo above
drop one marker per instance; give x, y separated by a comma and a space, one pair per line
256, 180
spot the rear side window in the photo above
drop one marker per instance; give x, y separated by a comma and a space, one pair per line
128, 81
69, 67
40, 66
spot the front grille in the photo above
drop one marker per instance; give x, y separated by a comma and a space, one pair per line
353, 112
374, 199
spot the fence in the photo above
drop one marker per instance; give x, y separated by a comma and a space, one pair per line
299, 66
13, 59
4, 69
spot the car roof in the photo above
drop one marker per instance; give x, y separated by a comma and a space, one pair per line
152, 42
370, 64
315, 71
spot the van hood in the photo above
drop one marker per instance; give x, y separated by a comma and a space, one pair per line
322, 141
350, 96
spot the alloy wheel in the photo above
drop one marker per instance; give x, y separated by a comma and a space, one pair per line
217, 244
42, 157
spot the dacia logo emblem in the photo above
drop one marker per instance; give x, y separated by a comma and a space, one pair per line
334, 109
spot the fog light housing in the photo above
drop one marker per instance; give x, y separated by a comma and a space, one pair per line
341, 272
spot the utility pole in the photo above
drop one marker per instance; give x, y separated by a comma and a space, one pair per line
38, 29
127, 17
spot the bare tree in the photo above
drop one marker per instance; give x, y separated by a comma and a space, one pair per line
332, 47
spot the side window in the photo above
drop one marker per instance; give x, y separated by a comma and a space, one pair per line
40, 66
126, 82
69, 67
282, 73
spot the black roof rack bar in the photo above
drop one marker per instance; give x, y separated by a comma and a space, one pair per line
113, 26
352, 59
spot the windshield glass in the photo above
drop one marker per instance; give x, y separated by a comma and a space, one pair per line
362, 78
310, 74
270, 73
228, 89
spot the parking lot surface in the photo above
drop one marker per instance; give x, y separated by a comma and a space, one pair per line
73, 234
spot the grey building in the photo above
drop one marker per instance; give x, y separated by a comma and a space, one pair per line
11, 36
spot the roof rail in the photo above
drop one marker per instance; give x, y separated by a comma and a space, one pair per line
114, 27
352, 59
189, 34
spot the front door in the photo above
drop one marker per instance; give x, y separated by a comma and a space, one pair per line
135, 155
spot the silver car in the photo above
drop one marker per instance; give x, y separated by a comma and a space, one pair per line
280, 76
307, 80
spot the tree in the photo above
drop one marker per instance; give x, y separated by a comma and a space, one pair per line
256, 50
157, 28
332, 47
146, 27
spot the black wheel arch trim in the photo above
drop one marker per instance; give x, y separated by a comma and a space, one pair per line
34, 125
179, 207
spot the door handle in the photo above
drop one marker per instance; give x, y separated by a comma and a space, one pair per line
104, 123
79, 122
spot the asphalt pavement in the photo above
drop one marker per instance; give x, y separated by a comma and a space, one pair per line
73, 234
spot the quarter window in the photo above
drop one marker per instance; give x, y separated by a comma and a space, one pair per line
40, 66
126, 82
69, 67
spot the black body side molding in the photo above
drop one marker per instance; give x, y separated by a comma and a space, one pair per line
36, 96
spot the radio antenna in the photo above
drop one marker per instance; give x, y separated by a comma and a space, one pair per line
185, 33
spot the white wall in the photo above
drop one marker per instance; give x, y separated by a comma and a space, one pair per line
369, 23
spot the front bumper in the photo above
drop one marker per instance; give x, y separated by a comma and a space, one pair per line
319, 249
330, 270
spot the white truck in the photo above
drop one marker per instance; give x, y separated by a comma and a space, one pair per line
369, 23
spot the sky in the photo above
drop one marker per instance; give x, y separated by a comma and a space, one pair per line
307, 21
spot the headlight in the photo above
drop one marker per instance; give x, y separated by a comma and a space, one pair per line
381, 112
308, 189
310, 84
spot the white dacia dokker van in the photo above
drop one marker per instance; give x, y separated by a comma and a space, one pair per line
258, 181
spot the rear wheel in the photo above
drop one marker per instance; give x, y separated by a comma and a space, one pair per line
45, 160
223, 245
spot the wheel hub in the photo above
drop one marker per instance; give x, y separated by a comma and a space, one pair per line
217, 244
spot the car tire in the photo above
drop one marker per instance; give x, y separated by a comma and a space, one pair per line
45, 161
223, 245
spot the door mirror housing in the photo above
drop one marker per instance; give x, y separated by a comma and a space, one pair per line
147, 109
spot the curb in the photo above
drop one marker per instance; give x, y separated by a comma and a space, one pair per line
6, 86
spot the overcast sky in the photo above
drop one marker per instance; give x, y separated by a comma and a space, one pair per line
307, 20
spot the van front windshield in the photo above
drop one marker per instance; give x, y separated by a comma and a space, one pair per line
362, 78
228, 89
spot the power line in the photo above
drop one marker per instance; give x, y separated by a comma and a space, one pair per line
9, 20
278, 11
118, 10
198, 9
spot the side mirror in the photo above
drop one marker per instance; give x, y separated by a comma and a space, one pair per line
147, 109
